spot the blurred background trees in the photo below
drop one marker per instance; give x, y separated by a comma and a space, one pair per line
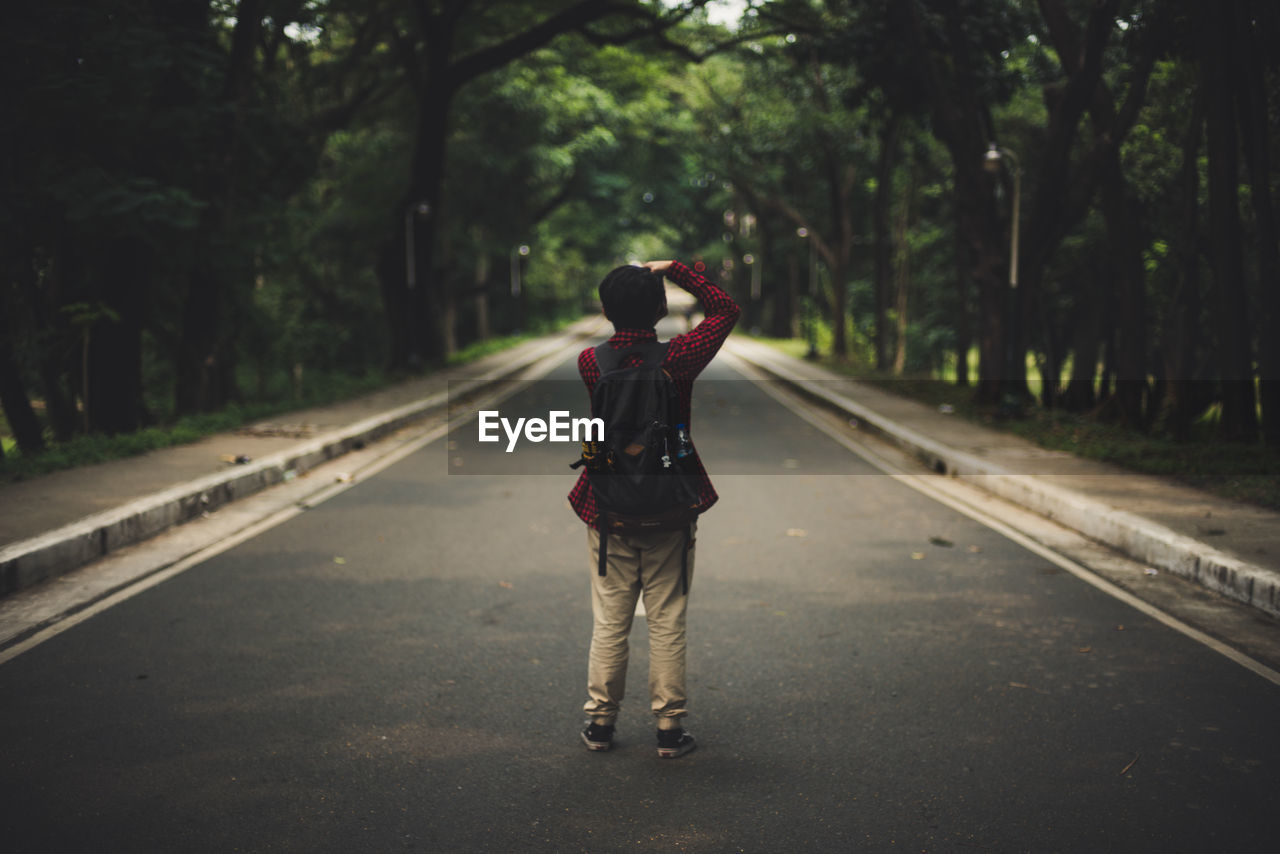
207, 202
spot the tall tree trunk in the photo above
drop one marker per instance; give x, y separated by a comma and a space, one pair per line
115, 366
415, 310
774, 286
903, 273
880, 215
841, 180
42, 298
963, 123
1185, 317
785, 323
964, 333
1255, 119
902, 304
59, 405
1063, 189
481, 283
13, 398
984, 255
1239, 415
1079, 395
1123, 217
198, 386
1105, 393
1054, 354
1063, 198
448, 322
205, 370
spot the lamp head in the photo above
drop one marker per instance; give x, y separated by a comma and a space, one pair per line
991, 160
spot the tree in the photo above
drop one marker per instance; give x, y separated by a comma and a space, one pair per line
1082, 55
1258, 25
440, 48
790, 130
1216, 27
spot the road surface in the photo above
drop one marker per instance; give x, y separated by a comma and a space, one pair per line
402, 668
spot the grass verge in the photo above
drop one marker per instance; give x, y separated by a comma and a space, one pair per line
97, 448
1243, 472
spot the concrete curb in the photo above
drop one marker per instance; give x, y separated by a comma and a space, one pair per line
1134, 536
28, 562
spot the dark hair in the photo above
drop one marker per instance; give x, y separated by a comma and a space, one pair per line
632, 297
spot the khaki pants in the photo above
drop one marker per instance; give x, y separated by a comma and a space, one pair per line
648, 565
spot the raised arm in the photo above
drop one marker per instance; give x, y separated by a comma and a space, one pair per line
694, 350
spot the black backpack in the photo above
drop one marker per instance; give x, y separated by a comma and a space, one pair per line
638, 473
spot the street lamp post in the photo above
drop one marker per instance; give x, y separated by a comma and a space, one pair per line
517, 285
750, 261
517, 252
991, 161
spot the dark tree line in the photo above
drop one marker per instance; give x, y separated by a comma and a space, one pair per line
1146, 285
153, 159
199, 199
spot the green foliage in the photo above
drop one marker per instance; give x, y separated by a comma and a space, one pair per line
233, 214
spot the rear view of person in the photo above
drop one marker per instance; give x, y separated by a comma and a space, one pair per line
642, 491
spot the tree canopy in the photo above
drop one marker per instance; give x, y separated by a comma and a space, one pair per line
204, 200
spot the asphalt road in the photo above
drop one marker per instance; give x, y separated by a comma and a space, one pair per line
402, 668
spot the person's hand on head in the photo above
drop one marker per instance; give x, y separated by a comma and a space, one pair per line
657, 266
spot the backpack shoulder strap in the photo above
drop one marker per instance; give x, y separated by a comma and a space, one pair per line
608, 359
657, 354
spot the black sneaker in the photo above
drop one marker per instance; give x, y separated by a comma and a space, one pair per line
674, 742
598, 736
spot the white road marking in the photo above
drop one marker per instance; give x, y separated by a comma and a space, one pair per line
69, 607
803, 409
928, 485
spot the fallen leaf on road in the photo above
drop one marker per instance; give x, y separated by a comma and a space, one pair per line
941, 541
1132, 762
1085, 649
1018, 685
339, 560
973, 550
506, 584
917, 555
797, 532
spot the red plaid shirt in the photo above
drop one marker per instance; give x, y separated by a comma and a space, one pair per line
686, 356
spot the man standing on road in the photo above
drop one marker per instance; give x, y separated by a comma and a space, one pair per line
655, 564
